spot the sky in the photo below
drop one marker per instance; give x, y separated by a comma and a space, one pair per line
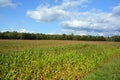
80, 17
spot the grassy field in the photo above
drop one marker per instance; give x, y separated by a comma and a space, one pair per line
110, 70
59, 60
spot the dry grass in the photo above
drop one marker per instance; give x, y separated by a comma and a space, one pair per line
15, 45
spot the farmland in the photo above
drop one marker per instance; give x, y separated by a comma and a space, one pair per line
59, 60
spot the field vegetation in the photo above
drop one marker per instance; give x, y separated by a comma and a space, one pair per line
59, 60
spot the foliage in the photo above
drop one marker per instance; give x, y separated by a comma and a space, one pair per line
116, 38
32, 36
67, 62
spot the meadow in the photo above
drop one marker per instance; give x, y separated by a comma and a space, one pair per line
59, 60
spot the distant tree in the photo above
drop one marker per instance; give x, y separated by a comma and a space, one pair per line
70, 37
116, 38
64, 37
1, 35
77, 37
32, 36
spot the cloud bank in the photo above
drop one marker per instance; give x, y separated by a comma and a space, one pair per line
72, 20
95, 23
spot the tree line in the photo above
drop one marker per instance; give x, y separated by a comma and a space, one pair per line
40, 36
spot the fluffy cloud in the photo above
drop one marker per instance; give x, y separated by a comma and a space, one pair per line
5, 3
92, 22
97, 23
45, 14
54, 13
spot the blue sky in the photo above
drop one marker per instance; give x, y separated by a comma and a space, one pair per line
81, 17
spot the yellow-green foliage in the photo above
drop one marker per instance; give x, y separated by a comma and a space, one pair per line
67, 62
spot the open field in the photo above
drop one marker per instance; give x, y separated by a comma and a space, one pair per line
58, 60
16, 45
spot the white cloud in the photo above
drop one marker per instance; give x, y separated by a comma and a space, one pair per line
116, 10
72, 3
97, 23
54, 13
46, 14
92, 22
5, 3
75, 23
23, 31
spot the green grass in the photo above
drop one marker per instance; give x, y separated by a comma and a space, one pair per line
65, 62
108, 71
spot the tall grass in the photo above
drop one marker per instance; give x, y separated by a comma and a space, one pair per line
68, 62
108, 71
